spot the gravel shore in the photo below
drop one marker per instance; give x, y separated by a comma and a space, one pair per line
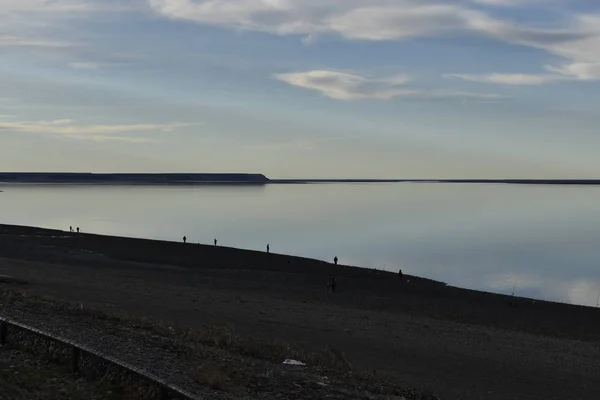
210, 363
25, 376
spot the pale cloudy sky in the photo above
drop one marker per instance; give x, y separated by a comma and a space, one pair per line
302, 88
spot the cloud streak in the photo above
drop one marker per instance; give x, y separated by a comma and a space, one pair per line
509, 79
84, 65
511, 3
19, 41
349, 87
71, 129
37, 6
32, 23
353, 19
56, 7
344, 86
357, 19
569, 72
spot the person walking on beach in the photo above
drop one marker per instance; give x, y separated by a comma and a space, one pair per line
184, 239
77, 229
215, 241
335, 260
70, 228
332, 284
268, 248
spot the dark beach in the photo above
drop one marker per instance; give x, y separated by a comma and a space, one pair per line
451, 342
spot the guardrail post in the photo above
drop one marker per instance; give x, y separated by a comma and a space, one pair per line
3, 332
75, 359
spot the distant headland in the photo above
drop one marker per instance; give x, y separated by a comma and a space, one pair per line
66, 178
130, 178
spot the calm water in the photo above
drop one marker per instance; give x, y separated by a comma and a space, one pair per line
543, 240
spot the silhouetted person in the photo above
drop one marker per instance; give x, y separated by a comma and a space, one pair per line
184, 239
332, 284
70, 229
77, 229
215, 241
400, 274
268, 248
335, 260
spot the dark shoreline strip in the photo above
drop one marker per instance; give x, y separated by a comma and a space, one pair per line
18, 242
237, 179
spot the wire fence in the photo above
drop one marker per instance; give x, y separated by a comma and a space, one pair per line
167, 391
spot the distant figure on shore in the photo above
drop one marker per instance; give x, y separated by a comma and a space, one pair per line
184, 239
70, 228
77, 229
331, 284
400, 274
268, 248
215, 241
335, 260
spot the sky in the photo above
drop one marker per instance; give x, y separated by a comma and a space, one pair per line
302, 88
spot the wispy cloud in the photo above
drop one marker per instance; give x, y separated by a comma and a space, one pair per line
357, 19
345, 86
69, 128
108, 138
441, 94
84, 65
568, 72
93, 65
63, 6
55, 6
33, 23
508, 79
578, 71
512, 3
20, 41
576, 38
579, 44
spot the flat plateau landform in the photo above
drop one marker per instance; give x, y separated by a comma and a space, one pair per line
406, 337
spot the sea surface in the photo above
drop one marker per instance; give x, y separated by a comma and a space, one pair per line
538, 241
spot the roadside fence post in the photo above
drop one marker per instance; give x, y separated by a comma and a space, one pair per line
3, 332
75, 359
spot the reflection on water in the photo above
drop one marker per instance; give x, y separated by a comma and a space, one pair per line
540, 240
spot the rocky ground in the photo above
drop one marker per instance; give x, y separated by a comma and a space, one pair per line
221, 321
213, 363
24, 376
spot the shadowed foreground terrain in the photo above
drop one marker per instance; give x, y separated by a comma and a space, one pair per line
417, 333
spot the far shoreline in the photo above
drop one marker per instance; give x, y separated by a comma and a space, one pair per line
192, 179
